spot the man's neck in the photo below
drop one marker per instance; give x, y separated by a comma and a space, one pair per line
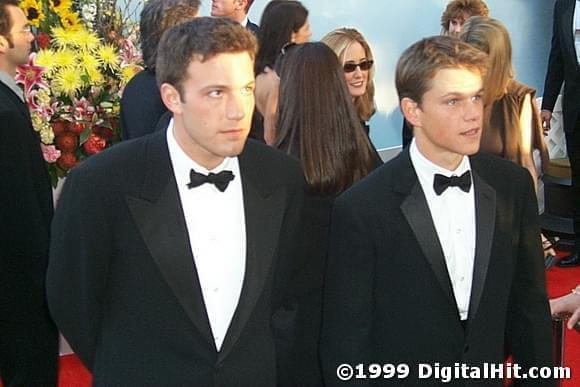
10, 70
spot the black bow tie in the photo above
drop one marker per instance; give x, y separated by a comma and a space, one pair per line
441, 183
220, 180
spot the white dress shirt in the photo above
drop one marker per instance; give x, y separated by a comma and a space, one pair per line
453, 213
217, 234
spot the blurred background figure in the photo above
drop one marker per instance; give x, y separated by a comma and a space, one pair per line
141, 105
282, 22
357, 60
457, 13
236, 10
511, 124
452, 20
318, 124
564, 68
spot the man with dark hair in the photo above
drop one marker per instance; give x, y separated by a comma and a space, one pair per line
435, 259
173, 254
452, 20
141, 105
28, 337
236, 10
564, 68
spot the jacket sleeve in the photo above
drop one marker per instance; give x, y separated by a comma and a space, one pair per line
81, 246
555, 73
528, 325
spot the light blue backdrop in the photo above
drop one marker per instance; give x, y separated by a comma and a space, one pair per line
391, 26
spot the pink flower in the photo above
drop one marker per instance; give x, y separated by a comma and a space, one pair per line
30, 75
50, 153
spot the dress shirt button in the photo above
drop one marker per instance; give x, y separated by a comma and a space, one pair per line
462, 279
458, 231
215, 290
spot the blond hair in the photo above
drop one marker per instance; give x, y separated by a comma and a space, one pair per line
341, 39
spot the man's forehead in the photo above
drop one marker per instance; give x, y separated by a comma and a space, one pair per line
457, 80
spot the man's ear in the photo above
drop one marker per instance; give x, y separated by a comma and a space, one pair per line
4, 45
241, 4
412, 111
171, 98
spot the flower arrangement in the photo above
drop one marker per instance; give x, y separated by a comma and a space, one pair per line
73, 84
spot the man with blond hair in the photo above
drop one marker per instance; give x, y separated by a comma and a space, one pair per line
435, 258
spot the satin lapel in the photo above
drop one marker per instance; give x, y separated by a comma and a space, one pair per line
159, 217
264, 209
567, 26
485, 227
416, 211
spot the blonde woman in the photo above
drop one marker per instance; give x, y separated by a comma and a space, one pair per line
512, 126
356, 57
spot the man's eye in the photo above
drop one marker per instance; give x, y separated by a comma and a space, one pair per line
215, 93
452, 102
477, 98
248, 90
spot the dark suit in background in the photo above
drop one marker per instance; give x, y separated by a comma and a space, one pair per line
563, 68
388, 294
141, 106
252, 27
123, 286
28, 337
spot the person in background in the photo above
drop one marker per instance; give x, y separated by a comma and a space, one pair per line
236, 10
511, 124
283, 22
141, 105
172, 254
458, 11
564, 68
28, 336
319, 126
357, 60
452, 19
435, 256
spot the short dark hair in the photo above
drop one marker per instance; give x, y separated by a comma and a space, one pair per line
456, 7
156, 17
279, 20
199, 39
5, 19
419, 64
318, 123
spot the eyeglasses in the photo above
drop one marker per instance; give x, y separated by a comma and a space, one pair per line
365, 65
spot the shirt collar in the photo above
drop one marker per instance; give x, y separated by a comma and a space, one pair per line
182, 163
11, 83
244, 22
426, 167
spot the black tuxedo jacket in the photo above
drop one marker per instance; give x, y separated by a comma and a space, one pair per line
563, 65
122, 283
141, 106
252, 27
26, 330
388, 295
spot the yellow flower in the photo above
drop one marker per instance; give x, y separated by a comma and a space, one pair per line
68, 81
33, 11
128, 72
45, 58
88, 60
70, 20
95, 76
43, 97
62, 37
46, 133
108, 56
86, 40
65, 58
59, 6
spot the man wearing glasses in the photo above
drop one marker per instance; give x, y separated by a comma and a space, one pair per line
28, 337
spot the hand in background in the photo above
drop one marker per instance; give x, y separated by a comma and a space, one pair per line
568, 304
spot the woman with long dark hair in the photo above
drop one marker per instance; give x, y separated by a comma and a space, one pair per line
283, 22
